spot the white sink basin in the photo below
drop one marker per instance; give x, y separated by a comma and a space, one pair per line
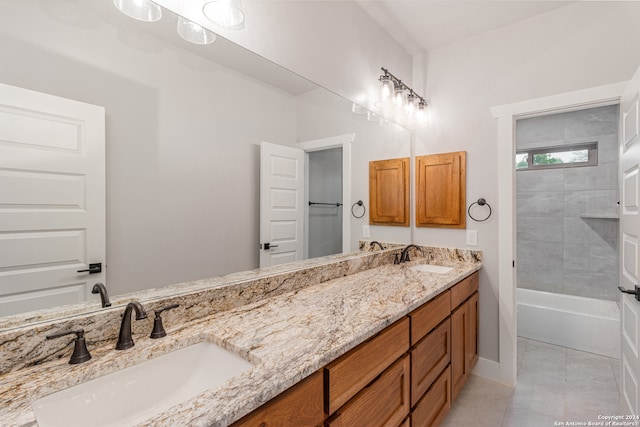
430, 268
137, 393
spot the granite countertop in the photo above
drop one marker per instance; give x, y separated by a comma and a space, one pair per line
287, 337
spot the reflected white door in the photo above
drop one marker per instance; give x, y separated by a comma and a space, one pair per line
281, 204
52, 199
629, 235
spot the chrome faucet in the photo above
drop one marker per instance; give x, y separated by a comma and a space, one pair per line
404, 256
124, 339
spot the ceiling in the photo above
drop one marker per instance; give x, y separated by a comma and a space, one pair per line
422, 25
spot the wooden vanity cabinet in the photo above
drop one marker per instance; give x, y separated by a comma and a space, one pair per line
383, 403
464, 332
301, 405
405, 376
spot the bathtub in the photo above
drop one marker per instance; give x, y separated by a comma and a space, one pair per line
580, 323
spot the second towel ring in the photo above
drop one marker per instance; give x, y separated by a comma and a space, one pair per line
479, 202
358, 203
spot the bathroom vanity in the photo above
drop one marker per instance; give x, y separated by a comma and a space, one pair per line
332, 341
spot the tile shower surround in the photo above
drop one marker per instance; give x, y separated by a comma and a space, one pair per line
557, 249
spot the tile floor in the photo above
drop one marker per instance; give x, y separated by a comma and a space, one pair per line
555, 384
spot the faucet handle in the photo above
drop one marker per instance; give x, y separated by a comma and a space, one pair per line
158, 327
80, 351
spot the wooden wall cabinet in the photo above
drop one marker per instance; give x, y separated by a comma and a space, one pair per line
389, 192
441, 190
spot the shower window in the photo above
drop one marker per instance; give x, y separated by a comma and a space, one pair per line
558, 157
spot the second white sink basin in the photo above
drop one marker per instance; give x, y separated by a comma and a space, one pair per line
135, 394
430, 268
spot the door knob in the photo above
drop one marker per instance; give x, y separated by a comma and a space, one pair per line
267, 246
635, 292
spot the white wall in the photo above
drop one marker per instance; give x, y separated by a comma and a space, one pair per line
182, 160
336, 44
581, 45
322, 116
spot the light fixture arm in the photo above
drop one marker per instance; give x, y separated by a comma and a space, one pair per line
397, 82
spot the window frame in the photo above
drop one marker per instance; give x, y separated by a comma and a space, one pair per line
592, 155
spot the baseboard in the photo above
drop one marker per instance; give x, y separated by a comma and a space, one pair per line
489, 369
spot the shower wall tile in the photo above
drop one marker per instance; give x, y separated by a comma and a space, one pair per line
540, 180
590, 284
595, 121
578, 203
538, 277
544, 203
558, 250
601, 177
537, 131
603, 257
540, 229
540, 253
576, 230
575, 256
604, 230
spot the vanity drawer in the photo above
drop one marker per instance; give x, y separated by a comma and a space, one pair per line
433, 407
347, 375
301, 405
429, 358
385, 402
463, 290
429, 315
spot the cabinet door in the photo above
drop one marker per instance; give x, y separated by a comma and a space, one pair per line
347, 375
301, 405
428, 359
464, 343
428, 316
471, 350
441, 190
383, 403
389, 192
432, 408
458, 343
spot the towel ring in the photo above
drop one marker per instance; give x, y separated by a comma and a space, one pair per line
358, 203
480, 202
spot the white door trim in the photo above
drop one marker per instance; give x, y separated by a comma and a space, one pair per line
506, 116
344, 142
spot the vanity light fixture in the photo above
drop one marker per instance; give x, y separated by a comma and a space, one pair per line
194, 33
142, 10
399, 101
225, 13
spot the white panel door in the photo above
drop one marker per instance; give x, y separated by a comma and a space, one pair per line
52, 199
281, 204
629, 235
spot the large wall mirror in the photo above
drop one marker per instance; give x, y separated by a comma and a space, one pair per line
184, 125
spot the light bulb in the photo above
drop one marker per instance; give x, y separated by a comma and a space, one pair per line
421, 114
142, 10
194, 33
225, 13
399, 96
386, 87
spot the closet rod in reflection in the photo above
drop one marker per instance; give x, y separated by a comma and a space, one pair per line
325, 204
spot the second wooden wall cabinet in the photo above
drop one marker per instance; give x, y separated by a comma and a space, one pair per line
441, 190
407, 375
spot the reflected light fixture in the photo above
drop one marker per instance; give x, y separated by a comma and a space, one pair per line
225, 13
142, 10
194, 33
399, 101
